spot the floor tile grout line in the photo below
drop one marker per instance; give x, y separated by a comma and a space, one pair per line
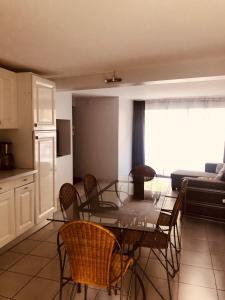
213, 269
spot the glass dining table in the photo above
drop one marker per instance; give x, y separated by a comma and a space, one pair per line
127, 214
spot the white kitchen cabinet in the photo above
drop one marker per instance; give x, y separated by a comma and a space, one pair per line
24, 204
45, 155
7, 217
43, 98
8, 99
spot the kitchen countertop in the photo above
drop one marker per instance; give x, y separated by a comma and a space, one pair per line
6, 175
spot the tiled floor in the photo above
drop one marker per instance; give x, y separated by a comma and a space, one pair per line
30, 270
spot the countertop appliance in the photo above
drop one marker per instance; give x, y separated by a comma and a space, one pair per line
6, 156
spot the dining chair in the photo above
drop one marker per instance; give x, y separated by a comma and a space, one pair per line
93, 193
166, 215
69, 200
94, 255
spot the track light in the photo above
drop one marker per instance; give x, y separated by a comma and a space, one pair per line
114, 79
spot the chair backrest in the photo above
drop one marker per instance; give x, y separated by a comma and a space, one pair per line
142, 172
89, 247
178, 203
91, 188
68, 198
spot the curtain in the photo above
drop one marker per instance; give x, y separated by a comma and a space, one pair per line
138, 133
184, 133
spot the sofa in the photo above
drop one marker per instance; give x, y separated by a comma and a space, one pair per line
205, 194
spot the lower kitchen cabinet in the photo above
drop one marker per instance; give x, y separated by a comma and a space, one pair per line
24, 202
7, 217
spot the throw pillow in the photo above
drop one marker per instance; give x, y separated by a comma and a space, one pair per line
221, 173
219, 167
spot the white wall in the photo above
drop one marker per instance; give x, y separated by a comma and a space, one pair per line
64, 164
125, 137
96, 137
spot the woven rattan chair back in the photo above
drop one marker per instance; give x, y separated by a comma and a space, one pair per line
68, 198
89, 247
91, 188
141, 172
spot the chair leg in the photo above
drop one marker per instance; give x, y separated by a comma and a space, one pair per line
178, 238
85, 291
168, 277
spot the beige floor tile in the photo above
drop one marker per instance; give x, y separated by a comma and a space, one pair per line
91, 295
221, 295
194, 258
52, 270
52, 238
191, 292
218, 261
155, 269
194, 233
25, 246
194, 244
163, 288
220, 279
38, 289
53, 226
217, 247
41, 235
45, 249
30, 265
8, 259
11, 283
197, 276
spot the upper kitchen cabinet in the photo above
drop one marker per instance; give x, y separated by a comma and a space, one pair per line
43, 98
36, 98
8, 99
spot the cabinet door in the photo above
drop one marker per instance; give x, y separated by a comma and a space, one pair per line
24, 201
45, 159
7, 218
8, 100
43, 94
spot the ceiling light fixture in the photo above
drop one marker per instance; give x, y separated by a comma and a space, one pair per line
114, 79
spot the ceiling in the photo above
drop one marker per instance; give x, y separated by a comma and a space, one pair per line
81, 37
185, 88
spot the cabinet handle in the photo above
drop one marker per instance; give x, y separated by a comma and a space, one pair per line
0, 188
25, 179
36, 137
25, 188
35, 124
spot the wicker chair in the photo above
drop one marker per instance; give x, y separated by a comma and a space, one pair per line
69, 201
92, 191
94, 256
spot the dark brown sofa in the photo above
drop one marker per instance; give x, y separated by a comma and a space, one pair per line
205, 195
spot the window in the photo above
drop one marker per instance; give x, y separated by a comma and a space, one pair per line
184, 134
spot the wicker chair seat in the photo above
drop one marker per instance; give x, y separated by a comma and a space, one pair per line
115, 268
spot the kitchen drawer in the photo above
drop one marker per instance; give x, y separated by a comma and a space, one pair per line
5, 187
24, 180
